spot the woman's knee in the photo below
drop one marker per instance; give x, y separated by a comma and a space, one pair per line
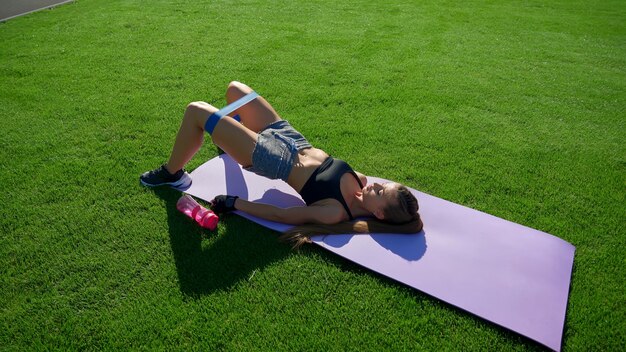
198, 112
236, 90
200, 107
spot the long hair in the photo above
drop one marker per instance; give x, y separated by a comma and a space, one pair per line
402, 217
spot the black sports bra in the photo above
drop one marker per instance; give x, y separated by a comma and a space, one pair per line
325, 183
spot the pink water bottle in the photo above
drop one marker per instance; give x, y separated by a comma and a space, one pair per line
203, 216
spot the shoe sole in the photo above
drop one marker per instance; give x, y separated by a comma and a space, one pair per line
183, 183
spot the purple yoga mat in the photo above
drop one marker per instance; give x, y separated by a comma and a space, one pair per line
509, 274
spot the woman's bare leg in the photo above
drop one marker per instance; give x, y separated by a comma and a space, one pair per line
235, 139
255, 115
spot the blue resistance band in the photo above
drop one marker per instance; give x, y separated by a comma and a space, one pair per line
212, 121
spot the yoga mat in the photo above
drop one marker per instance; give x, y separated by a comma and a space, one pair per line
506, 273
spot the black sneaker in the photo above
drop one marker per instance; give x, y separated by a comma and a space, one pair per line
161, 177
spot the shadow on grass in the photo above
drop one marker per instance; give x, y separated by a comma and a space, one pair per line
207, 262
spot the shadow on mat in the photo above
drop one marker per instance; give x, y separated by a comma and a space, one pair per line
205, 266
408, 247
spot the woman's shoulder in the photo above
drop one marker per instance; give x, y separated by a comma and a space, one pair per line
362, 178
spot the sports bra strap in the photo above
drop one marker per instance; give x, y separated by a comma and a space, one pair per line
343, 201
357, 178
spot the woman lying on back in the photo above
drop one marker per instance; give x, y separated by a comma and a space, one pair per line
267, 145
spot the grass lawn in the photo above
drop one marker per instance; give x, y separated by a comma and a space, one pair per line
514, 108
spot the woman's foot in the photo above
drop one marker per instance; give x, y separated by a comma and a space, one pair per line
162, 177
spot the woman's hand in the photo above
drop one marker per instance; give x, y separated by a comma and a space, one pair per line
223, 203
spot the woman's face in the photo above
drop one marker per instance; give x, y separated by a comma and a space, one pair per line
377, 197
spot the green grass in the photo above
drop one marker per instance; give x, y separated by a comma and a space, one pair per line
515, 108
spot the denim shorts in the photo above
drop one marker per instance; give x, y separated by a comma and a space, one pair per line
276, 149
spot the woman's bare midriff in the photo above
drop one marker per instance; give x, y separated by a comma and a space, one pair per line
308, 160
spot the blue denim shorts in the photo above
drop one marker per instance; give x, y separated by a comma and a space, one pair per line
276, 149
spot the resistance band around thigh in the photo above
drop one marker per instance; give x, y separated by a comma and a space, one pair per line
212, 121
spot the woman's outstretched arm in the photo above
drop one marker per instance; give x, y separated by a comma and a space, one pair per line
314, 214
